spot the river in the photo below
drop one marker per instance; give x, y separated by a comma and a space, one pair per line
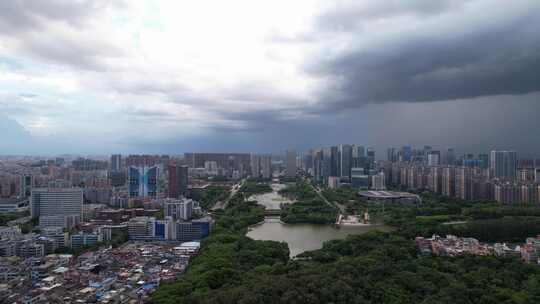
271, 200
299, 237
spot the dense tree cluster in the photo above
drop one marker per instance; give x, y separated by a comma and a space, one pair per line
342, 195
486, 221
372, 268
495, 230
211, 195
252, 187
10, 216
496, 212
376, 267
308, 206
346, 196
228, 256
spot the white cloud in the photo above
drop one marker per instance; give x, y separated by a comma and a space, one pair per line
189, 59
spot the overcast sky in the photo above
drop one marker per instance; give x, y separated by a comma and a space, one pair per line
105, 76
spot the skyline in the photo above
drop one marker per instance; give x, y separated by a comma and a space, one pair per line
172, 77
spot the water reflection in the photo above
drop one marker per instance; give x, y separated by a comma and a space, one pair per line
304, 237
300, 237
271, 200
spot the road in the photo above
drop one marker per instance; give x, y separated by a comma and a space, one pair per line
341, 208
223, 204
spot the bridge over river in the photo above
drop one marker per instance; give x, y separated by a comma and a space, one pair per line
272, 212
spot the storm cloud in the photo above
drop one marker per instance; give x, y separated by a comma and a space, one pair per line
452, 52
168, 77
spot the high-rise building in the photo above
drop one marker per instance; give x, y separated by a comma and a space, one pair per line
392, 155
526, 175
359, 179
503, 165
525, 163
255, 166
290, 163
529, 193
211, 168
326, 165
483, 160
26, 185
318, 164
449, 181
146, 160
378, 181
334, 161
116, 162
61, 207
359, 151
333, 182
87, 164
228, 162
261, 166
371, 158
507, 193
307, 164
141, 228
117, 178
412, 181
178, 181
435, 182
433, 159
464, 183
405, 154
450, 157
210, 165
143, 181
266, 166
178, 209
345, 160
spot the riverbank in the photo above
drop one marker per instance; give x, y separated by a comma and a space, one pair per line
272, 200
305, 237
237, 268
300, 236
309, 207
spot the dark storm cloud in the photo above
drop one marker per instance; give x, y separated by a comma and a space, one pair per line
264, 137
445, 57
348, 15
470, 126
248, 106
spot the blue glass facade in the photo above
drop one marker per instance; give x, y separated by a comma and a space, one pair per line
142, 181
204, 228
159, 230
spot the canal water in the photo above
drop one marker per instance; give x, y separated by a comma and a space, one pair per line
271, 200
299, 237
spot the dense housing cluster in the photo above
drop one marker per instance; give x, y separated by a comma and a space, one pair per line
452, 245
127, 274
